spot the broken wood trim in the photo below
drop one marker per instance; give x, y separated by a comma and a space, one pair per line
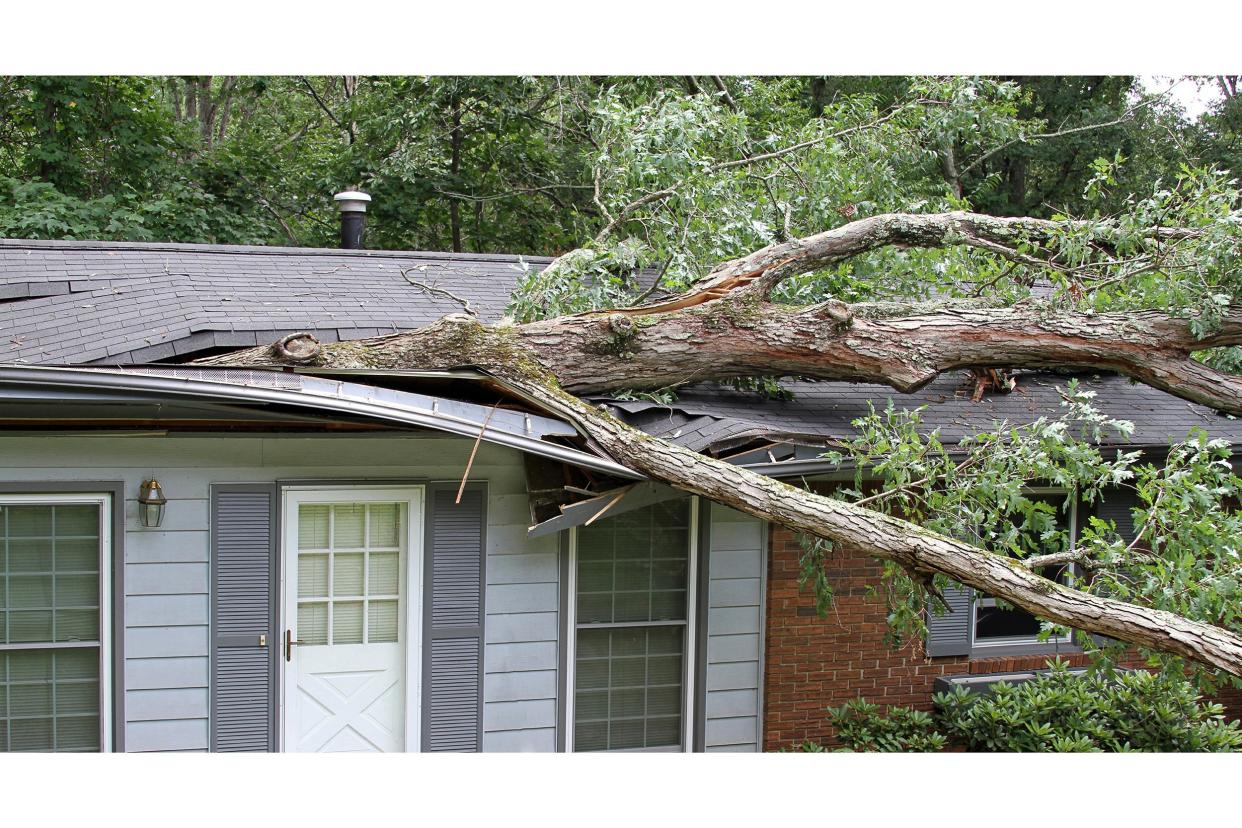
615, 501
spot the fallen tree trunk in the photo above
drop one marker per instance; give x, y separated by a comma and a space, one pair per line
738, 336
458, 340
727, 327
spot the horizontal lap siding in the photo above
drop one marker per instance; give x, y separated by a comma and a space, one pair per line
168, 580
736, 571
520, 629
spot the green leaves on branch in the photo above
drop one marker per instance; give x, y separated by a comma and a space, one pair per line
582, 280
38, 210
986, 490
1187, 556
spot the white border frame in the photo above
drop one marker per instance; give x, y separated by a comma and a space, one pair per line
414, 496
106, 627
570, 629
976, 601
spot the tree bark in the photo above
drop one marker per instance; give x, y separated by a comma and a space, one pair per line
455, 173
727, 328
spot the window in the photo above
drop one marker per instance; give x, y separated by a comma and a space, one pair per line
633, 597
53, 609
349, 565
995, 625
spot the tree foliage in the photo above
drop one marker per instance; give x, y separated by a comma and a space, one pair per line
1185, 557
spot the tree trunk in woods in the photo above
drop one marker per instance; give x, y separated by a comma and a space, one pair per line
726, 327
455, 172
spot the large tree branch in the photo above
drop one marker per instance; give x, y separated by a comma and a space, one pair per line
516, 358
762, 270
900, 346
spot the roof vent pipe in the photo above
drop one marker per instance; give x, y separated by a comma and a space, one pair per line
353, 207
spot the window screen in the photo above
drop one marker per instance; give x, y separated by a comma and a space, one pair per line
631, 612
50, 627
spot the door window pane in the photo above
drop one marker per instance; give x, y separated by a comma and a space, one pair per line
349, 568
312, 527
382, 623
347, 622
313, 623
384, 571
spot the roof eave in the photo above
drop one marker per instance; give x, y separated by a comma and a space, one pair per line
355, 399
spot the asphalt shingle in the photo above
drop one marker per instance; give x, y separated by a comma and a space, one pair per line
825, 410
64, 300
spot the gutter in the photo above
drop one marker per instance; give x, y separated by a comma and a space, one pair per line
512, 429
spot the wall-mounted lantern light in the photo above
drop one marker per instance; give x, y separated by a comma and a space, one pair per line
151, 502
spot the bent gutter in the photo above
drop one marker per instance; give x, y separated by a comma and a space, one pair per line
374, 403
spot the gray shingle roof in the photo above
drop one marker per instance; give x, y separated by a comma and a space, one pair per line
82, 302
711, 416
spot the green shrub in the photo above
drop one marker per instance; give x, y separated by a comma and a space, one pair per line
862, 726
806, 747
1063, 712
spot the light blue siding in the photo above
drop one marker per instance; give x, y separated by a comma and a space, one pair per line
519, 715
737, 570
532, 684
520, 627
167, 569
520, 657
159, 673
506, 599
186, 546
171, 734
534, 740
168, 704
166, 610
520, 631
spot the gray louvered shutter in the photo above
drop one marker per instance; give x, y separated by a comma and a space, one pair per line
1115, 506
453, 620
949, 634
243, 653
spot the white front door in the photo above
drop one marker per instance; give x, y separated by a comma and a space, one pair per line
352, 577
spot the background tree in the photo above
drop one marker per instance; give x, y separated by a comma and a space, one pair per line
865, 264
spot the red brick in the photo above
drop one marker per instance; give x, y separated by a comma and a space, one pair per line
812, 663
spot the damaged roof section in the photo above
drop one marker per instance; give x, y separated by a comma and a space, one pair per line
722, 421
78, 394
120, 303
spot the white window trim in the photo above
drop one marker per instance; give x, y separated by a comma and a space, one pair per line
988, 601
412, 620
570, 632
104, 501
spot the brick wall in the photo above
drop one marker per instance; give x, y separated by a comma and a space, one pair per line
813, 663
